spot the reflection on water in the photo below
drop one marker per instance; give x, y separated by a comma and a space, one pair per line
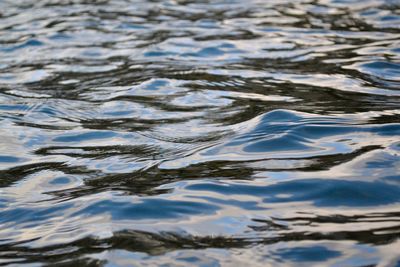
200, 133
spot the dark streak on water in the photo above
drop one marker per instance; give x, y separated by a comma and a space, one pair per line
200, 133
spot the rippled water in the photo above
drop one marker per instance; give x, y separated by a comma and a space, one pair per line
200, 133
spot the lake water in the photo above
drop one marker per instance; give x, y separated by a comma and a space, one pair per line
200, 133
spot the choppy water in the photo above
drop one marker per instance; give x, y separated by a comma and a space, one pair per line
200, 133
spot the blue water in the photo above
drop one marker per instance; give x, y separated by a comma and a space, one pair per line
199, 133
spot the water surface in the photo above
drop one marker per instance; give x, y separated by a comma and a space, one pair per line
200, 133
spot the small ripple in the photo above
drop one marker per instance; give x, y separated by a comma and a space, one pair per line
290, 135
383, 70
